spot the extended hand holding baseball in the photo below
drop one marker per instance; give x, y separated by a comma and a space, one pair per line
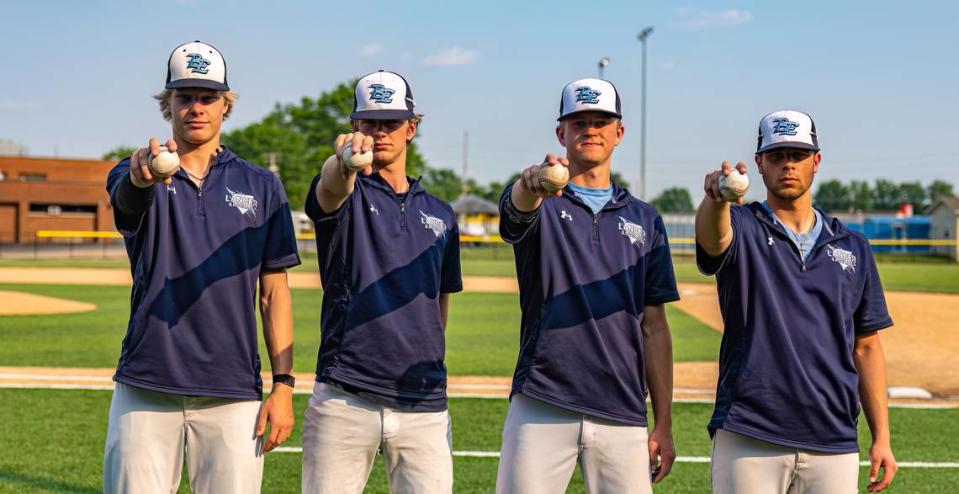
734, 185
355, 162
154, 163
163, 164
728, 184
553, 177
359, 162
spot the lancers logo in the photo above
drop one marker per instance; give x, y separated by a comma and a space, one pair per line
588, 95
785, 127
381, 94
845, 258
197, 64
433, 223
635, 232
243, 202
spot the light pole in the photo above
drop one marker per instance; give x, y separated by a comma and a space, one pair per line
603, 62
643, 35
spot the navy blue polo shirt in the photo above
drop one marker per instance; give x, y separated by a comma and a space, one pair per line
786, 370
384, 260
196, 257
585, 279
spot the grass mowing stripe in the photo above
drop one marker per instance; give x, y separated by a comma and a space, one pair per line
482, 338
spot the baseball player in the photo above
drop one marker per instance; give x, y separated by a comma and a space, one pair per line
802, 305
389, 258
594, 271
200, 242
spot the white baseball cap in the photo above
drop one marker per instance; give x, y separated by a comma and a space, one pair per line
787, 129
590, 95
196, 64
382, 95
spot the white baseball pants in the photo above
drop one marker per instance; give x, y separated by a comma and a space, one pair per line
743, 465
149, 433
542, 444
342, 433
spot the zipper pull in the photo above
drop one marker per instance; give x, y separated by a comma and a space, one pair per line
595, 218
804, 266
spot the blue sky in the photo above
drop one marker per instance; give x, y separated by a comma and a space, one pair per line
881, 79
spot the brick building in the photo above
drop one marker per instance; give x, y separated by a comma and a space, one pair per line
52, 194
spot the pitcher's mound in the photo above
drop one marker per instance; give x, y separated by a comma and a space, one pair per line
24, 304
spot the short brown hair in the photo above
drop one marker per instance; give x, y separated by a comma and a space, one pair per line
163, 97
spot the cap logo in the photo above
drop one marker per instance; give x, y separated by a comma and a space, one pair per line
784, 126
197, 64
587, 94
381, 94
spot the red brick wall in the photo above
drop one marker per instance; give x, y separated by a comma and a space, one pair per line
69, 182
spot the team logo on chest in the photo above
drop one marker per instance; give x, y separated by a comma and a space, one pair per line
563, 215
197, 64
845, 258
433, 223
634, 232
244, 202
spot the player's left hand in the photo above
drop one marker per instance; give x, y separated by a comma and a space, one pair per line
662, 453
277, 410
881, 458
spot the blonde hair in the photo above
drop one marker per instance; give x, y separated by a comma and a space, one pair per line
163, 97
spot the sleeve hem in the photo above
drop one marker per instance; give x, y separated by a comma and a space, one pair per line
283, 262
886, 323
665, 299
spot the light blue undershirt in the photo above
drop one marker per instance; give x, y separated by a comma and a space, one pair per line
803, 241
594, 198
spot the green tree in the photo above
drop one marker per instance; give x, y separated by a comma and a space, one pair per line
939, 189
886, 195
674, 200
118, 153
832, 195
860, 193
443, 183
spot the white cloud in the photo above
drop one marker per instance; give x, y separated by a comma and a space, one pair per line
451, 56
12, 104
699, 19
370, 50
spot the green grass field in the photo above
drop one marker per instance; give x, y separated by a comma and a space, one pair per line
482, 339
53, 442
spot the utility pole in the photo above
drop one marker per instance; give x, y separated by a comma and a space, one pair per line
603, 62
643, 35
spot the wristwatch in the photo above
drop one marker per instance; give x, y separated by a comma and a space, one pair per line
284, 379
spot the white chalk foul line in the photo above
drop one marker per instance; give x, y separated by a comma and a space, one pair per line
679, 459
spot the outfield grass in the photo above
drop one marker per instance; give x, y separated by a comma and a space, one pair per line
482, 339
53, 442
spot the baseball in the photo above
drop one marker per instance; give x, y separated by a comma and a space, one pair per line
733, 186
553, 177
164, 164
356, 162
